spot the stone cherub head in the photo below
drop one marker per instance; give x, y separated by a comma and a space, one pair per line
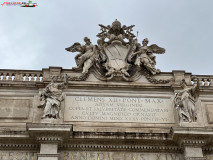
183, 84
87, 40
54, 79
145, 42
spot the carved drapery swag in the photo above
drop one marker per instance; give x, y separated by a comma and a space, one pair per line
117, 55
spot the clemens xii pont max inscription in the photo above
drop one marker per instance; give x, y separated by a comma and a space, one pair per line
118, 109
114, 105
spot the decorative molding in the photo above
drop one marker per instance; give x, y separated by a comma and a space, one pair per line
47, 155
135, 148
19, 146
83, 77
49, 139
194, 143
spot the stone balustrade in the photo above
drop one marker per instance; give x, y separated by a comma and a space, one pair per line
204, 80
11, 76
21, 75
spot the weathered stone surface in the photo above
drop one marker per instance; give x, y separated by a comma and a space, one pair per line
118, 109
51, 99
193, 152
81, 155
185, 103
209, 156
115, 58
118, 106
14, 108
14, 155
48, 152
49, 149
209, 112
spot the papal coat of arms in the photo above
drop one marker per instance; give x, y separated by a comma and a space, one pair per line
117, 55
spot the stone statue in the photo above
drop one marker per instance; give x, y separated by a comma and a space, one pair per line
116, 32
51, 99
117, 56
185, 102
115, 50
87, 56
145, 57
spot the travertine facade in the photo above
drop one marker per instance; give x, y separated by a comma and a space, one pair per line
115, 105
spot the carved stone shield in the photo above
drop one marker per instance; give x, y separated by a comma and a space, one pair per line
117, 54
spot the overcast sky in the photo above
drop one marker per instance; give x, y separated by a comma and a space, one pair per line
35, 38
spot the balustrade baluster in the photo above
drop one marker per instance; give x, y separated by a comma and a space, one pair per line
24, 77
210, 82
37, 78
27, 77
13, 77
32, 77
41, 77
4, 76
17, 76
9, 77
201, 82
206, 83
1, 76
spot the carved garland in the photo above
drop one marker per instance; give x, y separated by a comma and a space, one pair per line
153, 80
118, 56
79, 78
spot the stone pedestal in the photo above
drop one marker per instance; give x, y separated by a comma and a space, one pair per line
48, 152
50, 136
192, 145
193, 153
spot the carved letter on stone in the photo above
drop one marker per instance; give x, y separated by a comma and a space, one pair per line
51, 99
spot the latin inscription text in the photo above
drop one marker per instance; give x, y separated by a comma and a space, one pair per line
118, 109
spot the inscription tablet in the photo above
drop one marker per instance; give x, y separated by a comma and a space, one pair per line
14, 108
118, 109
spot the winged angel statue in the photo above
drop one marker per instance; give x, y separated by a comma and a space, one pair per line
117, 54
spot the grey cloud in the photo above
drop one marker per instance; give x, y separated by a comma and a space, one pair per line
35, 38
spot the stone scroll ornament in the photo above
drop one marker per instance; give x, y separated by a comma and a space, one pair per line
185, 101
51, 98
117, 55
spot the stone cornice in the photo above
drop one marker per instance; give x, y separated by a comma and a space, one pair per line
49, 133
192, 136
19, 146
